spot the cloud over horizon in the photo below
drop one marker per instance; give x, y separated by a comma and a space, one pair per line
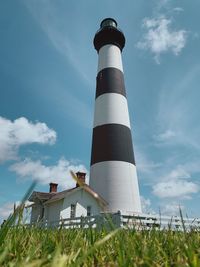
59, 173
172, 209
8, 207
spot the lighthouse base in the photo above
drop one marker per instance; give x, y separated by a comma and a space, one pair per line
116, 182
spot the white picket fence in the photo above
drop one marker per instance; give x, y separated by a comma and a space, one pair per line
137, 221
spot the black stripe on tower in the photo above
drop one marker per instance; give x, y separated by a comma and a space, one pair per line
110, 80
112, 142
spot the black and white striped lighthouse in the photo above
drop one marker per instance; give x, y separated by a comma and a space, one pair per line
113, 171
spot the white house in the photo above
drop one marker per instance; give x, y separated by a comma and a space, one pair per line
75, 202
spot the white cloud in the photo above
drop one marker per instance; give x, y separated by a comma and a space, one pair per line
178, 183
178, 9
165, 136
172, 209
21, 132
161, 38
180, 172
144, 164
146, 205
178, 188
7, 209
59, 173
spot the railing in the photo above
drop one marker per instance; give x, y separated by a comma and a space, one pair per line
147, 221
97, 221
115, 220
77, 222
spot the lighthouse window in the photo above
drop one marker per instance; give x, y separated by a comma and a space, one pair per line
73, 211
88, 210
108, 22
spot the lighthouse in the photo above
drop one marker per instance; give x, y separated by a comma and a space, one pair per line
112, 170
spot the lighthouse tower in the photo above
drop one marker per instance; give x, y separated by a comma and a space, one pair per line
113, 171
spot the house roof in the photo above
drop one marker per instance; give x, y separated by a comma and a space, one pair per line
40, 195
60, 195
47, 198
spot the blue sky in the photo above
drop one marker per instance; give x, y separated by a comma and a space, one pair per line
47, 84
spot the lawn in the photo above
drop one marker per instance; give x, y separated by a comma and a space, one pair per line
30, 247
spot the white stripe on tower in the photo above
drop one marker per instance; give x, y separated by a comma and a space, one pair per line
110, 57
113, 172
111, 108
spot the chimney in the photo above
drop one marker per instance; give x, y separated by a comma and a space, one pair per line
81, 177
53, 188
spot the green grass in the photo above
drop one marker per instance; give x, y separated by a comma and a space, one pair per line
88, 247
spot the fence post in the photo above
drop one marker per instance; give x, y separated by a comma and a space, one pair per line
116, 218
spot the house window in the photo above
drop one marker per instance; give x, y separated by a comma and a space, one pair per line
73, 211
88, 210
